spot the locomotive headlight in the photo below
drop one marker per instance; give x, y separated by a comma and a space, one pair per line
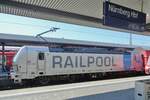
14, 71
12, 74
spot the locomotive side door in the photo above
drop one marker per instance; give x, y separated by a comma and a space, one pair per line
31, 64
41, 63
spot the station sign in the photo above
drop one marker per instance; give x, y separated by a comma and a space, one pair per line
122, 17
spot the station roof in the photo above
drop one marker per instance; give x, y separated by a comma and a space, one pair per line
82, 12
20, 40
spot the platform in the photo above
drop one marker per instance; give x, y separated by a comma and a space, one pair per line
114, 89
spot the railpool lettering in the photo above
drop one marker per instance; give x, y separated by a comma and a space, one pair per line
76, 59
80, 61
107, 61
99, 61
68, 62
57, 60
90, 60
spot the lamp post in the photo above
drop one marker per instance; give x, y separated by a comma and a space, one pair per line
130, 41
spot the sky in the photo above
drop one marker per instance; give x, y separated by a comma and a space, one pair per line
12, 24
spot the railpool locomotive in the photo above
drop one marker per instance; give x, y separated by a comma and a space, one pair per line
45, 64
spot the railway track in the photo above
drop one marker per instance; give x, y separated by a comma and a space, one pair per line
73, 90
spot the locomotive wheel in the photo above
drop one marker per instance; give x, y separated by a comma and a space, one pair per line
72, 78
43, 80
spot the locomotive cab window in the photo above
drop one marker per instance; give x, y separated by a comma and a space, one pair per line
41, 56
